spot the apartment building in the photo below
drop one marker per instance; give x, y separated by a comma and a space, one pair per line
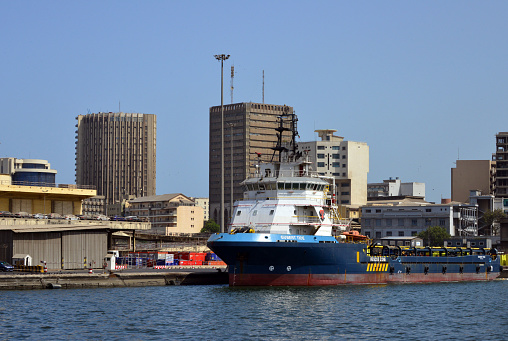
168, 213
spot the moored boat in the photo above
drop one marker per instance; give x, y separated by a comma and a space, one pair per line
287, 231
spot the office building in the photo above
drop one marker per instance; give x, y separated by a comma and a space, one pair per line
116, 152
249, 136
409, 216
346, 161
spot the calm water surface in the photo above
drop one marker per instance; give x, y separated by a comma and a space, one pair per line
451, 311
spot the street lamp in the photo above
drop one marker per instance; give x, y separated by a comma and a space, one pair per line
221, 58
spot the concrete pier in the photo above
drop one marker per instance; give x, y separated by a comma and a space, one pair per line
27, 281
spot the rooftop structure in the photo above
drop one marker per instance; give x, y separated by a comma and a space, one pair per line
28, 171
395, 188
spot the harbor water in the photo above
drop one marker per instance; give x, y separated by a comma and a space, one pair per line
444, 311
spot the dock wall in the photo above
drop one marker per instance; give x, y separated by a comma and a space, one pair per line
109, 280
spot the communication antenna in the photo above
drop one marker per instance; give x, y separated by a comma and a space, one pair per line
263, 86
232, 76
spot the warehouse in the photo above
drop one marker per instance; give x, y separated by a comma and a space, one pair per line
65, 247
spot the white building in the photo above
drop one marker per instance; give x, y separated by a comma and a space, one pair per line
396, 188
346, 161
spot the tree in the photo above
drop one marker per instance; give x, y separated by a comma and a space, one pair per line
210, 227
492, 217
434, 236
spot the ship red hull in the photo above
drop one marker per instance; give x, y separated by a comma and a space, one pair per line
342, 279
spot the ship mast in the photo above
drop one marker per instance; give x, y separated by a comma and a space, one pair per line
284, 126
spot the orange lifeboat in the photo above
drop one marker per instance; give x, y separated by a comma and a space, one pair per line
354, 236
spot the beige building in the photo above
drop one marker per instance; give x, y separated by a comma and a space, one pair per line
249, 129
168, 213
116, 152
205, 204
346, 161
471, 175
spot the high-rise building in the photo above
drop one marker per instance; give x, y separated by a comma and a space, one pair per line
249, 136
501, 158
116, 152
346, 161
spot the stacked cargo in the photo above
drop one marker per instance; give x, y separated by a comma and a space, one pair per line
159, 259
213, 259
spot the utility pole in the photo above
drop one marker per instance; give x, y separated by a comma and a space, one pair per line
221, 58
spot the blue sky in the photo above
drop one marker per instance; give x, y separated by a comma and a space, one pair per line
423, 83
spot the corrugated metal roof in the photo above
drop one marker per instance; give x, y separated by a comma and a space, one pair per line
52, 228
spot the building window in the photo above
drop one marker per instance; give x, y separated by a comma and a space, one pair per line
378, 222
414, 233
321, 147
401, 233
428, 210
378, 234
388, 222
321, 156
388, 233
320, 164
343, 156
366, 222
401, 222
238, 213
335, 164
335, 147
367, 211
414, 222
428, 221
335, 156
442, 222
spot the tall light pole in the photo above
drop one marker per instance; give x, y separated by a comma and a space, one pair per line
231, 125
221, 58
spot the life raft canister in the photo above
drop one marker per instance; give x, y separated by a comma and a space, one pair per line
322, 214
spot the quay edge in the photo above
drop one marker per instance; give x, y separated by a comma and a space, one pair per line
110, 280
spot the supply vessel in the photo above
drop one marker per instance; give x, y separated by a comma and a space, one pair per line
287, 232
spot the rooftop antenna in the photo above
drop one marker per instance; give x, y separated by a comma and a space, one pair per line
263, 86
232, 76
119, 107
